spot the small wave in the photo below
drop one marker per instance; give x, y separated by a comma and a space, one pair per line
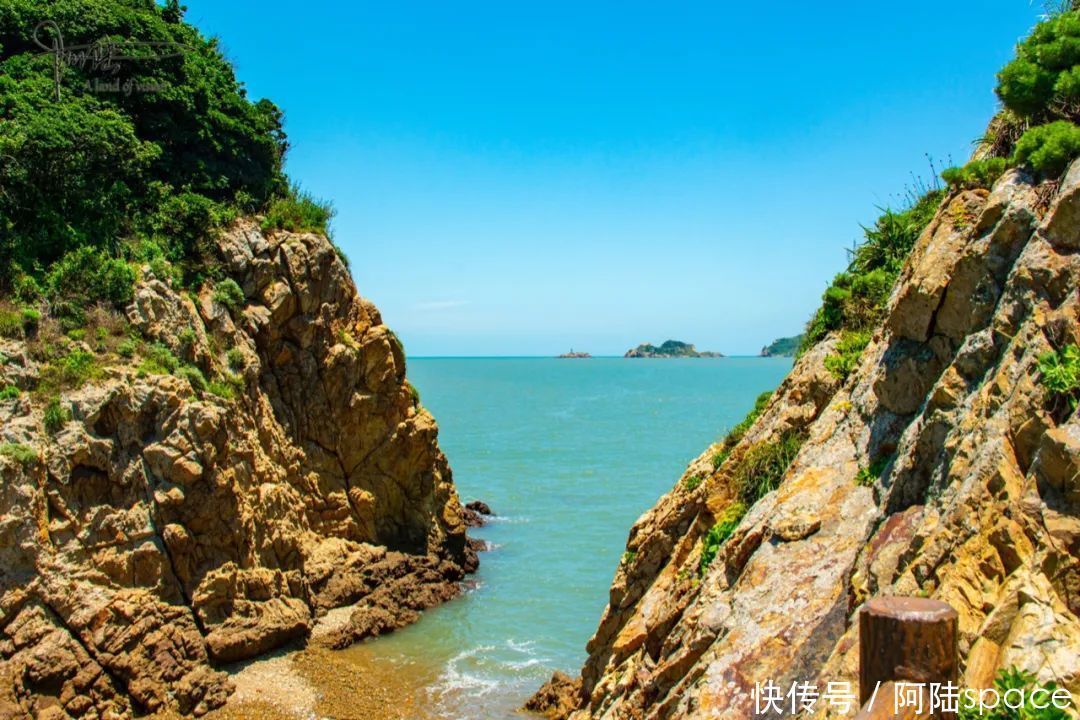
486, 669
525, 664
507, 520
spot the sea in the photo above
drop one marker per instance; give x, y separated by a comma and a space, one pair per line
568, 454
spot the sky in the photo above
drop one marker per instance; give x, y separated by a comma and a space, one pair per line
522, 178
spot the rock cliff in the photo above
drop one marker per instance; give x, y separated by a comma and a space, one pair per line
940, 467
159, 530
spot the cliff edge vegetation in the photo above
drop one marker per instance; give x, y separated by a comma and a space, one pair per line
207, 438
926, 443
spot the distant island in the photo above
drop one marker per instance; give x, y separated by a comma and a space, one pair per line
670, 349
783, 347
575, 355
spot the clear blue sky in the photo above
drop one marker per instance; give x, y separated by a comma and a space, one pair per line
525, 177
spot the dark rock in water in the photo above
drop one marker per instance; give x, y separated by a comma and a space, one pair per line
559, 697
481, 507
478, 545
475, 513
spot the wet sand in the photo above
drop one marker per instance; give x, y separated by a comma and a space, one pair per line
315, 683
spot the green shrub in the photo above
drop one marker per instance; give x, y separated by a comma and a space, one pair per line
341, 254
194, 376
31, 319
85, 277
22, 454
227, 387
414, 394
221, 389
9, 392
628, 557
186, 223
71, 370
760, 471
55, 416
1042, 80
236, 359
158, 359
848, 351
719, 533
127, 348
89, 168
736, 433
867, 476
693, 482
228, 294
857, 297
186, 338
976, 174
1048, 149
25, 288
11, 325
298, 211
1059, 373
1016, 680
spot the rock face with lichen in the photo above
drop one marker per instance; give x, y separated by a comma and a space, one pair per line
165, 530
974, 496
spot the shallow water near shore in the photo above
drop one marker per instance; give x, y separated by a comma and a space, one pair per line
568, 453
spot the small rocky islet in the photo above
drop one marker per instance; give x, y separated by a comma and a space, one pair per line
669, 349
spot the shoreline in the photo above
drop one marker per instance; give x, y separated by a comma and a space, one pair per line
307, 682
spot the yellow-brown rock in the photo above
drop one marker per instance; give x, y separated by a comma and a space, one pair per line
977, 506
166, 530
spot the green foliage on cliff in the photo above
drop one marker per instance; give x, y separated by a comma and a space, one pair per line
1043, 80
760, 471
22, 454
228, 294
1059, 373
299, 211
1040, 91
870, 474
138, 160
975, 174
719, 534
1041, 88
693, 482
855, 300
55, 416
736, 433
1048, 149
848, 351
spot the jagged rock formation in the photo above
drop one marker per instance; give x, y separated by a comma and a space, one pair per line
165, 531
977, 502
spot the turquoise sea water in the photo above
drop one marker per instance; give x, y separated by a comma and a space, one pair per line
568, 453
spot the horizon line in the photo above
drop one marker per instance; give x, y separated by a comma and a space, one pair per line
593, 357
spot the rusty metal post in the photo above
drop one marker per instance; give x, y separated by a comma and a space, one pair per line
911, 640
